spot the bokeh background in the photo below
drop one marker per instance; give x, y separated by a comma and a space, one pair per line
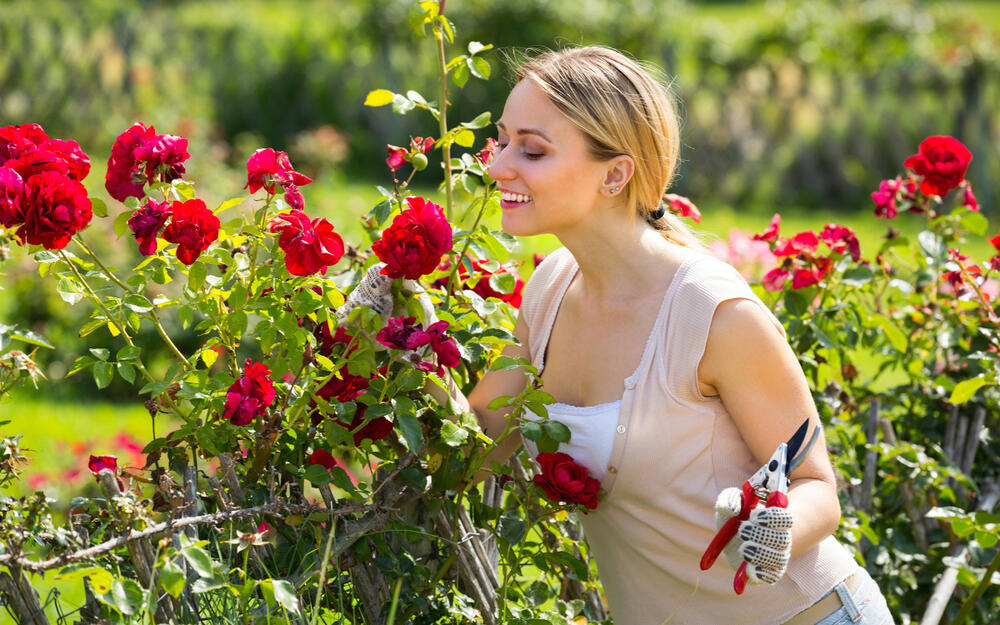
792, 107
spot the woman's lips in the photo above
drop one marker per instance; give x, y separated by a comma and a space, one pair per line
509, 199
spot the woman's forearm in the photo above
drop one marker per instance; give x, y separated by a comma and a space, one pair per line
815, 510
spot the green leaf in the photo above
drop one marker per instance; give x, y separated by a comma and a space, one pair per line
98, 206
933, 247
199, 560
401, 104
129, 352
138, 303
512, 528
975, 222
121, 223
127, 372
986, 539
103, 373
453, 434
578, 567
317, 474
196, 275
27, 336
379, 97
126, 595
465, 138
100, 579
237, 323
461, 75
230, 203
896, 337
409, 426
284, 594
172, 579
481, 121
475, 47
796, 303
857, 276
557, 431
531, 430
966, 389
68, 291
479, 67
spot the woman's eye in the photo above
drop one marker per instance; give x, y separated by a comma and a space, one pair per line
533, 155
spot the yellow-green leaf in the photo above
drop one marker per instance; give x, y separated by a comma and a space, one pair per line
209, 356
965, 390
379, 97
465, 138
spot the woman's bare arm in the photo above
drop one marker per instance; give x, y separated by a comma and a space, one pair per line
759, 380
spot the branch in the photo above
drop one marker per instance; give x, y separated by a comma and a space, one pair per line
214, 518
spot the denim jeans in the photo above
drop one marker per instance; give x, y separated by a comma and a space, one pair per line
866, 607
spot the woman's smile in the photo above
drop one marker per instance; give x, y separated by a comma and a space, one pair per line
510, 199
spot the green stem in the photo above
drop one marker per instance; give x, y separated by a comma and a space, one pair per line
443, 118
153, 316
963, 612
468, 242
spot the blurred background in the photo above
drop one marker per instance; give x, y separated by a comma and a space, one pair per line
792, 107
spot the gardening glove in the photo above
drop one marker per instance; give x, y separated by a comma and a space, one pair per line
764, 541
375, 292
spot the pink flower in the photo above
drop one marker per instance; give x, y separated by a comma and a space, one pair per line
770, 234
885, 198
146, 223
249, 396
969, 200
309, 246
748, 254
397, 156
941, 163
682, 206
414, 243
775, 279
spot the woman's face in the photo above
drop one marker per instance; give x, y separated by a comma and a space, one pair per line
546, 176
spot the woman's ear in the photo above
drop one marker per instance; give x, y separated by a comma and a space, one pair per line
620, 170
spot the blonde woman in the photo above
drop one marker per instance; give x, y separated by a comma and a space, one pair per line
675, 380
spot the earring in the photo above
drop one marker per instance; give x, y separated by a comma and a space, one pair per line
615, 189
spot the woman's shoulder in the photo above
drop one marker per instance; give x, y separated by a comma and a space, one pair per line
546, 278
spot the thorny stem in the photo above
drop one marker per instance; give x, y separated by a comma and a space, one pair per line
443, 117
153, 315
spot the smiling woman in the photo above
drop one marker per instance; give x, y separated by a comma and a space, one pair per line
685, 376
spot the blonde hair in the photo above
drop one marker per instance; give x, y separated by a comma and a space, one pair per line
622, 110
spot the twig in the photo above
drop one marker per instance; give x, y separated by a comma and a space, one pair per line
909, 500
871, 457
972, 444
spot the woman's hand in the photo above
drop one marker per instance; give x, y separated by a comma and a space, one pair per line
764, 541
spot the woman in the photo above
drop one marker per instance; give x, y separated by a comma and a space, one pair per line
683, 385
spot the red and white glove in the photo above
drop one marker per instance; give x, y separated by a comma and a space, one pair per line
764, 541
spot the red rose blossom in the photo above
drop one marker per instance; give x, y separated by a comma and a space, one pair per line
249, 396
485, 155
442, 345
267, 168
163, 157
323, 458
36, 162
124, 178
770, 233
75, 158
415, 242
53, 208
842, 240
193, 228
309, 246
18, 140
397, 156
146, 223
969, 199
403, 333
421, 144
941, 162
885, 198
96, 464
483, 287
682, 206
564, 480
775, 279
11, 190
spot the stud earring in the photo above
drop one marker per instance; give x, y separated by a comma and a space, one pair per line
615, 189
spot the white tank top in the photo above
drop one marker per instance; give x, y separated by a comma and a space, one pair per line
592, 433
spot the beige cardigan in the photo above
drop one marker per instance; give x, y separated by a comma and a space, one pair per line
674, 450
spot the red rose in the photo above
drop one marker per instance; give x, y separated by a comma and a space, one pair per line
11, 190
96, 464
124, 178
941, 162
294, 199
69, 151
326, 341
885, 198
323, 458
483, 287
54, 208
18, 140
775, 279
163, 156
415, 242
841, 240
682, 206
193, 228
802, 243
267, 168
37, 161
563, 479
309, 246
486, 154
249, 396
146, 223
403, 333
421, 144
770, 233
969, 200
347, 388
444, 346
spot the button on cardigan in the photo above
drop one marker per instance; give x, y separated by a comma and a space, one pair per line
674, 451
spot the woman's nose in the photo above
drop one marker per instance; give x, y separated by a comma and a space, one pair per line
498, 169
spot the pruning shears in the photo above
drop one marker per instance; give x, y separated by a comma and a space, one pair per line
770, 485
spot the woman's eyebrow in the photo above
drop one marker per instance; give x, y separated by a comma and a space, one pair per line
525, 131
